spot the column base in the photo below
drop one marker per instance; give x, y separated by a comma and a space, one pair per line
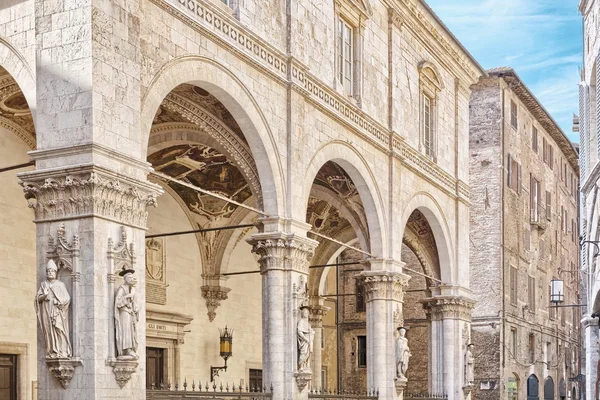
63, 369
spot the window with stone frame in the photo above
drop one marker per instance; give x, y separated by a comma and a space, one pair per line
255, 379
535, 202
514, 273
514, 121
350, 19
531, 293
514, 342
531, 348
513, 174
430, 86
534, 139
548, 205
362, 351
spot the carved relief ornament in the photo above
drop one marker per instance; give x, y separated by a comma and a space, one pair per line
95, 192
213, 296
283, 252
448, 307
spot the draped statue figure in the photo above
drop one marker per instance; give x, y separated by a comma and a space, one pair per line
52, 303
126, 317
306, 336
402, 353
469, 365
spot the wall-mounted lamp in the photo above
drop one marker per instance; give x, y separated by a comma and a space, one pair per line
557, 291
225, 351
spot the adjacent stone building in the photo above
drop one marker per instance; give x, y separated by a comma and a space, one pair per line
311, 120
524, 179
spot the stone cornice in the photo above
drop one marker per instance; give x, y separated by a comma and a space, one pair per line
229, 33
282, 251
448, 307
88, 191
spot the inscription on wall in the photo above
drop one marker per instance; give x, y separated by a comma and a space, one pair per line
156, 277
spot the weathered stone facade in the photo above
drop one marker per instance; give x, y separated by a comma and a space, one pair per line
523, 235
121, 102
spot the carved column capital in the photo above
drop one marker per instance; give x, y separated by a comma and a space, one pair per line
88, 191
317, 312
283, 251
384, 285
448, 307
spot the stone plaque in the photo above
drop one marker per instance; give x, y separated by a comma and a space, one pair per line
156, 277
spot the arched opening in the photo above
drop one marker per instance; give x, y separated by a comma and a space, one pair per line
17, 136
204, 281
562, 389
513, 387
549, 389
533, 387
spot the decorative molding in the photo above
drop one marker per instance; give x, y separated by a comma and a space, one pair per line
395, 19
21, 133
63, 253
280, 251
89, 191
214, 295
166, 325
63, 369
448, 307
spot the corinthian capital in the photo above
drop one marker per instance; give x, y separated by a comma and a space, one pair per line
89, 191
283, 251
384, 285
448, 307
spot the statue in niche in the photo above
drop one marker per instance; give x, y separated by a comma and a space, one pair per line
402, 353
306, 336
52, 308
469, 365
126, 317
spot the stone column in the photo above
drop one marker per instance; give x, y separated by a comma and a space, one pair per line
91, 221
384, 294
590, 326
450, 334
284, 259
317, 312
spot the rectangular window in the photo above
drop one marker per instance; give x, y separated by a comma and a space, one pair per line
548, 205
544, 150
513, 285
535, 189
551, 156
360, 296
345, 50
255, 380
428, 139
362, 351
513, 115
534, 139
531, 293
514, 174
531, 348
513, 334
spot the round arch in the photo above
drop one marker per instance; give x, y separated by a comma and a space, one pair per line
363, 178
16, 65
427, 205
230, 91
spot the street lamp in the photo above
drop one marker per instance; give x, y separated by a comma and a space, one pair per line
557, 291
225, 351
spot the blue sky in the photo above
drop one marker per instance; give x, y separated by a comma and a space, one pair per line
540, 39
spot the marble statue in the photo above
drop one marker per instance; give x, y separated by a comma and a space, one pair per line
52, 308
469, 365
402, 353
126, 317
306, 336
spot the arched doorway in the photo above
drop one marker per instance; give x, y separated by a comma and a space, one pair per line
549, 389
533, 387
513, 387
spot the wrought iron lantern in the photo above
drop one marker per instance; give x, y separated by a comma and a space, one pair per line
557, 291
225, 351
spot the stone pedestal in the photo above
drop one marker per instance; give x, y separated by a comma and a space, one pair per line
450, 318
284, 259
384, 284
81, 212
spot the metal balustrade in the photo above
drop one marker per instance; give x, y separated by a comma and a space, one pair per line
197, 391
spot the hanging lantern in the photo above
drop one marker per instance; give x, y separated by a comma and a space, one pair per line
225, 344
557, 291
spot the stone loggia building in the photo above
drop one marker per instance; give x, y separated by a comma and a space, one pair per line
589, 151
345, 118
524, 180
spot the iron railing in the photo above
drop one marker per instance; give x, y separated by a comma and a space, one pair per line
324, 394
426, 396
218, 392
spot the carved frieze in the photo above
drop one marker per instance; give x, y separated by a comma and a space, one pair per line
448, 307
91, 191
156, 271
